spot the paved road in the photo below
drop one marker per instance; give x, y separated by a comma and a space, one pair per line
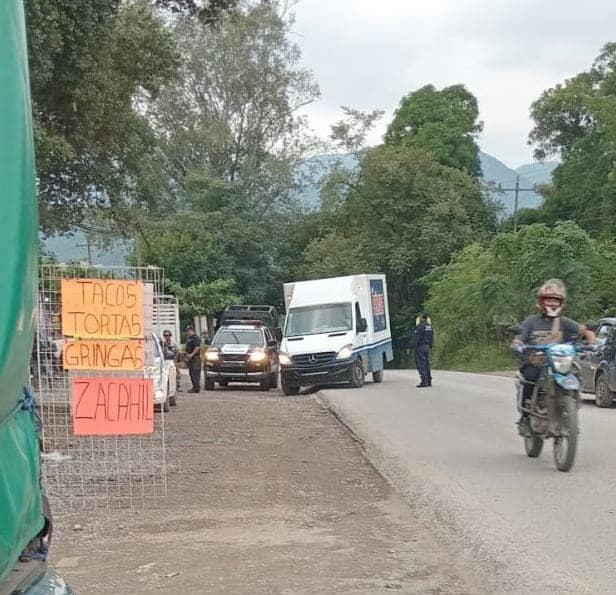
515, 522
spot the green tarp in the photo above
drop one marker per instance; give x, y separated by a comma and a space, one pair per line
21, 516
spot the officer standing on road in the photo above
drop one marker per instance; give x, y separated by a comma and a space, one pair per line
423, 339
193, 358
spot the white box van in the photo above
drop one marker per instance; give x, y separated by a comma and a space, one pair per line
336, 330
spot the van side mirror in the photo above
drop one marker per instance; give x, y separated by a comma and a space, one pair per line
362, 325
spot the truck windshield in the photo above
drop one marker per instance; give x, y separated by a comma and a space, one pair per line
314, 320
238, 337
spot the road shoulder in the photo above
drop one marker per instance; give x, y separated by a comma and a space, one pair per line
267, 494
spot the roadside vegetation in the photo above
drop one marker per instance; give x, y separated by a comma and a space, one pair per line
179, 128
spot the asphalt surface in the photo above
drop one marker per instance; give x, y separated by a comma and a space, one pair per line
516, 523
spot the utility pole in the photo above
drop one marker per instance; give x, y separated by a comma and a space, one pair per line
517, 191
87, 245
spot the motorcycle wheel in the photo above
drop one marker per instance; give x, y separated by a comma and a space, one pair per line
565, 447
533, 446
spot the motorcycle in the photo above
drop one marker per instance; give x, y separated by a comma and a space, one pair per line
553, 408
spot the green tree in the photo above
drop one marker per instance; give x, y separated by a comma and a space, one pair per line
444, 122
91, 63
209, 13
231, 137
476, 297
576, 120
406, 214
233, 111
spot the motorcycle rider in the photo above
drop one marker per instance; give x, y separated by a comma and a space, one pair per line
550, 326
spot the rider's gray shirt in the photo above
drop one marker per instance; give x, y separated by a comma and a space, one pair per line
537, 330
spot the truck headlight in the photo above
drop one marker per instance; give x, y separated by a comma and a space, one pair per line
284, 359
345, 353
562, 363
212, 355
258, 356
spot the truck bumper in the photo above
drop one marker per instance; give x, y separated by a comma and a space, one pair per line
236, 375
331, 373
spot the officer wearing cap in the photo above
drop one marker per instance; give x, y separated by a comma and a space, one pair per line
423, 339
193, 358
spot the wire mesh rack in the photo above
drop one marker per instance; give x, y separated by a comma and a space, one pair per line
92, 471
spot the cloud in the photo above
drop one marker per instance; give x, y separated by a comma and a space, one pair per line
369, 54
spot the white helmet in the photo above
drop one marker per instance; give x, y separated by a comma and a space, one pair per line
554, 292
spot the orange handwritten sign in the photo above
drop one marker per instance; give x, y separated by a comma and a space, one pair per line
103, 355
100, 309
112, 406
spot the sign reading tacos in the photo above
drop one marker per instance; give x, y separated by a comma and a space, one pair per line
99, 309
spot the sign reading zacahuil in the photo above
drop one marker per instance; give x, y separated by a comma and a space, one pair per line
113, 406
101, 309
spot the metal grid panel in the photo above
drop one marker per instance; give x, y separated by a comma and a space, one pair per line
92, 471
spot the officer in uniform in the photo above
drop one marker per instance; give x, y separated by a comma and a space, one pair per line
423, 338
193, 358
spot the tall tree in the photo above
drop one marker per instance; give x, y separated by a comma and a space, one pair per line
233, 111
90, 62
230, 136
576, 121
405, 214
208, 12
444, 122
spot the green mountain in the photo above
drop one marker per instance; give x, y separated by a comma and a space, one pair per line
538, 173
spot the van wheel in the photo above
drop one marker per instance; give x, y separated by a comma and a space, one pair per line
357, 374
377, 376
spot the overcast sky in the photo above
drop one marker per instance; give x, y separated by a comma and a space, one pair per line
369, 53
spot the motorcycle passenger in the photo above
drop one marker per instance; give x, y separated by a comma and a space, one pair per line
550, 326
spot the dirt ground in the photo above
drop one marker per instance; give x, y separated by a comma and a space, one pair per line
267, 494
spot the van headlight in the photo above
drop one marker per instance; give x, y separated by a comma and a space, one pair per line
562, 363
345, 353
284, 359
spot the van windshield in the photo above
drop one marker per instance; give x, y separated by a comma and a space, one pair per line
314, 320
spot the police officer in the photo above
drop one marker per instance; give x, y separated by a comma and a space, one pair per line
171, 353
193, 358
422, 341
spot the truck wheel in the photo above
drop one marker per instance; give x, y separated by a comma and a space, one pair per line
377, 376
173, 401
288, 389
357, 376
209, 384
224, 383
265, 383
166, 405
274, 380
603, 395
